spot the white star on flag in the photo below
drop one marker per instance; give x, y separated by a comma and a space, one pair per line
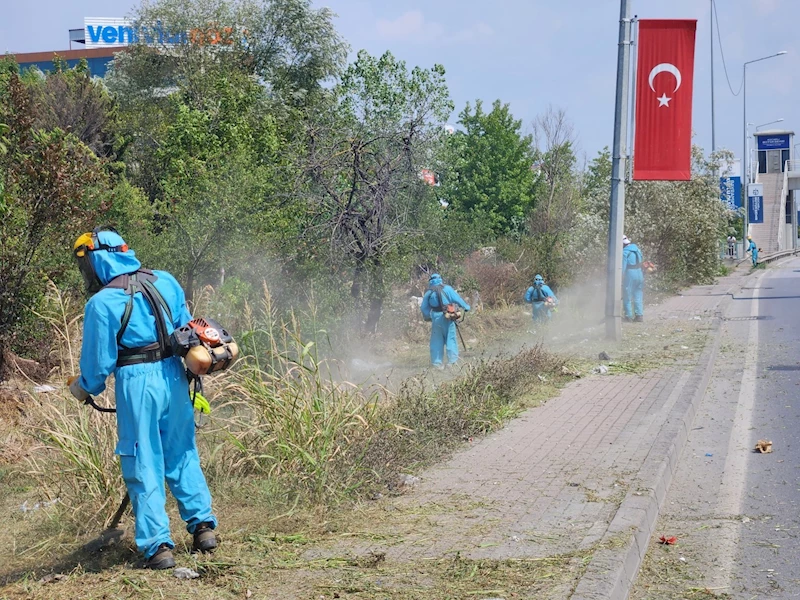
663, 101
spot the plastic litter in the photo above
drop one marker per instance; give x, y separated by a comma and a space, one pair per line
669, 541
185, 573
601, 369
26, 508
408, 481
709, 454
603, 356
43, 389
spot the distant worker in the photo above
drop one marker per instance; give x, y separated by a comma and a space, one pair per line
731, 246
632, 281
542, 298
440, 305
753, 250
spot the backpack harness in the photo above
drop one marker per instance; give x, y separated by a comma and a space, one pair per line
142, 281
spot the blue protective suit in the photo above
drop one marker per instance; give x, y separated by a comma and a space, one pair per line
443, 332
536, 295
753, 250
632, 281
155, 416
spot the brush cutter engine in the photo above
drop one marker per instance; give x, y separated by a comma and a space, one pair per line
205, 346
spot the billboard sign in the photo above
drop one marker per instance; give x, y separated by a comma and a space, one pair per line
103, 32
755, 202
773, 142
730, 192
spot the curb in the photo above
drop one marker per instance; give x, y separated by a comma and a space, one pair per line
612, 571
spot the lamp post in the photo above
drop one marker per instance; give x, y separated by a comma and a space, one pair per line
770, 123
744, 128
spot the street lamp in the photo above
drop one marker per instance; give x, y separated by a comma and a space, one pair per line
744, 126
770, 123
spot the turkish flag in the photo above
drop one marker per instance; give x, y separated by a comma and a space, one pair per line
664, 77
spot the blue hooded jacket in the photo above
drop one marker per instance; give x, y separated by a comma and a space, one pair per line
430, 301
103, 314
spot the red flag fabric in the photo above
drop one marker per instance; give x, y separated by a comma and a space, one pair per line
664, 83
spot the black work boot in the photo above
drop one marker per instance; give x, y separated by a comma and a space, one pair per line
638, 319
162, 559
204, 538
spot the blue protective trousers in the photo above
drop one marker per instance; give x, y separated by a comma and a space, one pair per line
443, 334
155, 421
633, 293
755, 257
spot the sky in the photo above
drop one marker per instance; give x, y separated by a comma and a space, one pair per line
531, 54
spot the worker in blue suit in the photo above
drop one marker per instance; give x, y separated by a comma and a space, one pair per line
127, 321
542, 298
435, 303
632, 281
753, 250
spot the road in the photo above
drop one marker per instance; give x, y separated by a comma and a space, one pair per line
735, 511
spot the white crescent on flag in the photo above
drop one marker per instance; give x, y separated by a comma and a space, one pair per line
665, 68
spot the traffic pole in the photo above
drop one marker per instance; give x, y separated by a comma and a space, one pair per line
618, 160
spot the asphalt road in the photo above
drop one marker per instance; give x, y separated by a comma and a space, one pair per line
735, 511
768, 555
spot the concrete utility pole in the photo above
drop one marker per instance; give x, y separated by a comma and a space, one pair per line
616, 224
713, 136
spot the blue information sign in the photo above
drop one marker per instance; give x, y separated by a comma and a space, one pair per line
773, 142
755, 202
730, 192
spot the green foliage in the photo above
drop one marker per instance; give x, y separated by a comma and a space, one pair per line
678, 225
53, 185
69, 99
491, 178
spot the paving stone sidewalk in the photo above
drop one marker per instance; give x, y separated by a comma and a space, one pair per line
552, 481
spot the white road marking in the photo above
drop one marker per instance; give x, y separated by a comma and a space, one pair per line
735, 475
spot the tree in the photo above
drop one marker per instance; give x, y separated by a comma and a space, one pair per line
364, 158
53, 186
558, 198
71, 100
492, 178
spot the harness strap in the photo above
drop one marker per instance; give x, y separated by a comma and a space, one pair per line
142, 281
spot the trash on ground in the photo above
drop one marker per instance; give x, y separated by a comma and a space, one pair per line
26, 508
52, 578
408, 481
684, 347
43, 389
603, 356
682, 559
566, 371
764, 446
669, 541
185, 573
709, 454
602, 369
696, 318
745, 519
